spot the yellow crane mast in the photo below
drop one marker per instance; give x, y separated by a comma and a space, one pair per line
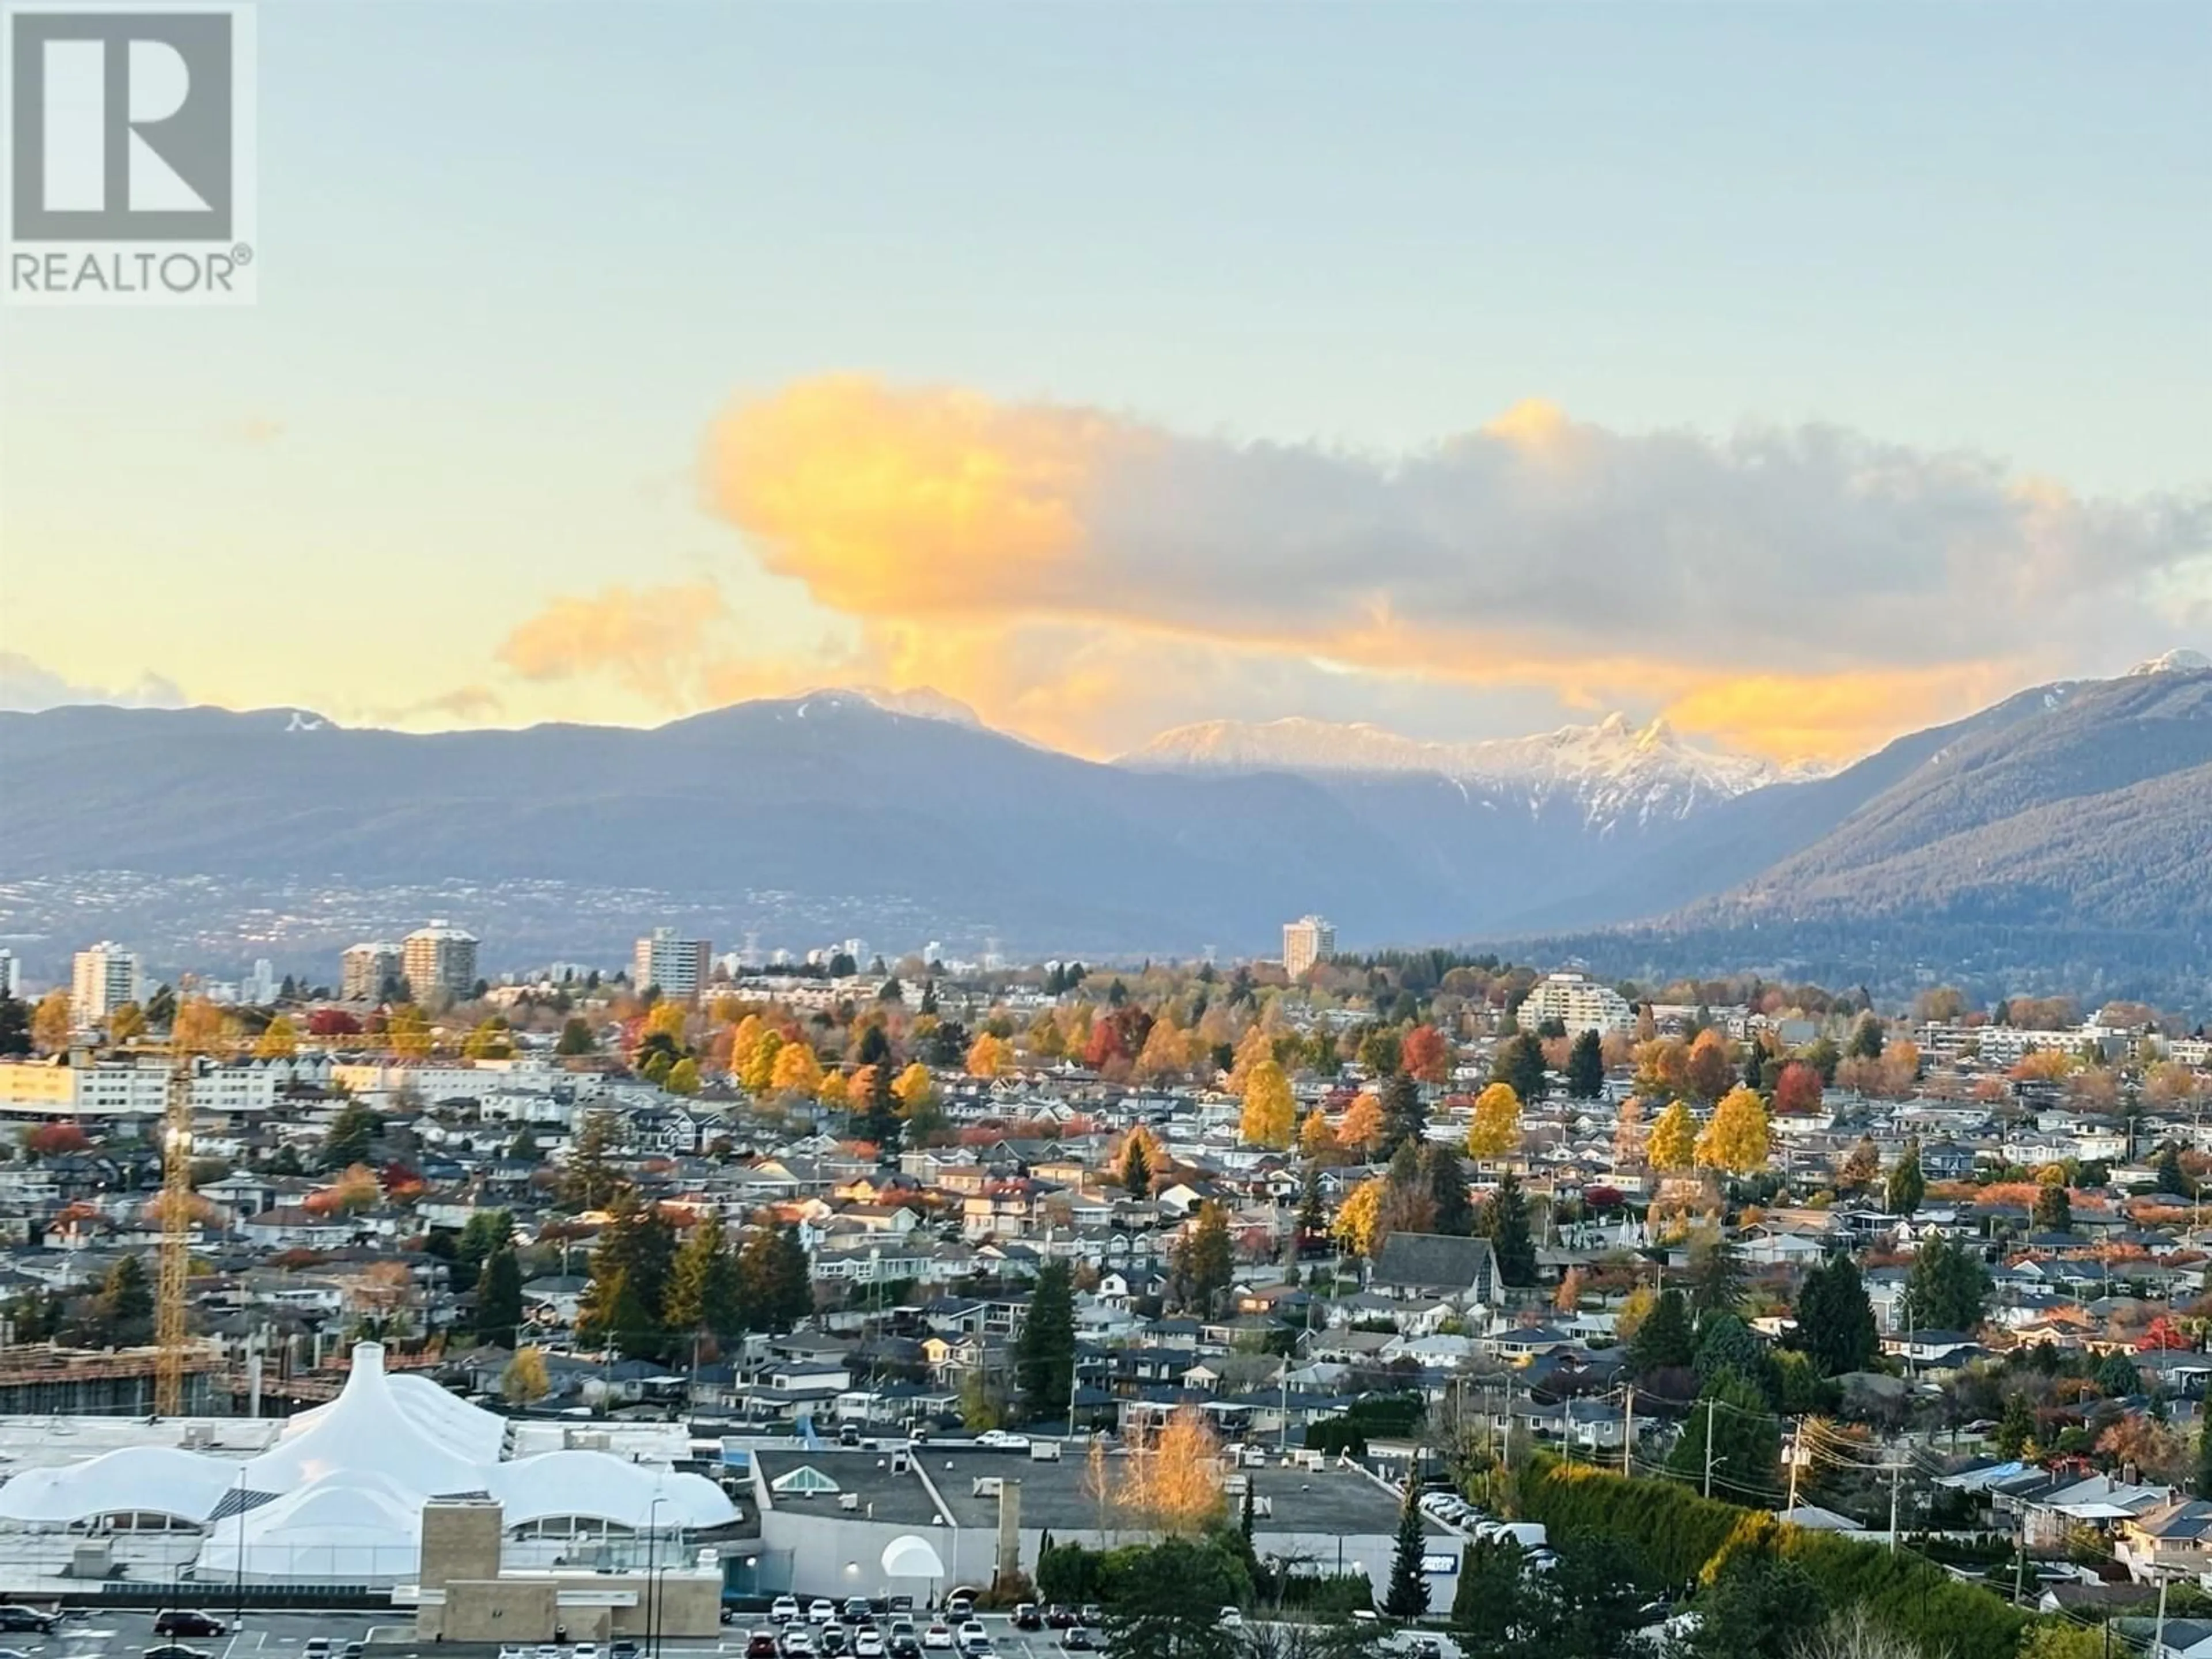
172, 1337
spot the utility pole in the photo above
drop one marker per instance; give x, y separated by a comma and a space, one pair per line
1797, 1459
1628, 1434
1896, 1473
1712, 1406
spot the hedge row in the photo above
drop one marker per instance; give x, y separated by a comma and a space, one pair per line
1679, 1536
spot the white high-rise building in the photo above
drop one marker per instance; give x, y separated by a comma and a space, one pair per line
364, 968
1306, 941
1578, 1002
680, 967
11, 974
259, 987
439, 957
107, 977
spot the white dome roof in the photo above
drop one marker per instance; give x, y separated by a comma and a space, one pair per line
349, 1525
468, 1431
151, 1479
594, 1484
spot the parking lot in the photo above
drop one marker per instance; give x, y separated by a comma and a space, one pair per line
103, 1633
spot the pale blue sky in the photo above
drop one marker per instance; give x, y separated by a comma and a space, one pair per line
514, 259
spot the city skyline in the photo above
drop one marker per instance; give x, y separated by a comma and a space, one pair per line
1470, 372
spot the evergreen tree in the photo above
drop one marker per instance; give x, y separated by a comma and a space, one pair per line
1947, 1289
703, 1283
2172, 1178
1404, 1115
1866, 1038
1044, 1352
612, 1315
499, 1297
2202, 1485
1664, 1340
2117, 1378
2016, 1428
126, 1301
589, 1179
1505, 1222
1136, 1168
630, 1266
15, 1028
1519, 1063
774, 1288
346, 1142
2054, 1208
1907, 1185
1446, 1187
1203, 1264
1586, 1067
486, 1230
1745, 1442
1716, 1278
575, 1038
1313, 1208
1407, 1596
881, 1124
875, 1047
1835, 1321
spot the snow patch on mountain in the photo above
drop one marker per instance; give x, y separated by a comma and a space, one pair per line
1618, 773
2181, 661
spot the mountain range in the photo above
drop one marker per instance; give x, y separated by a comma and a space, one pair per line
2076, 810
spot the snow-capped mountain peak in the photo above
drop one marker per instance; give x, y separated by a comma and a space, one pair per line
2180, 660
1616, 771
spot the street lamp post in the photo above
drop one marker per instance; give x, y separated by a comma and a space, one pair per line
652, 1576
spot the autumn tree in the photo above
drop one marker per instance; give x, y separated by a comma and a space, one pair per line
1737, 1138
1630, 1136
1709, 1069
1494, 1130
127, 1023
1175, 1487
990, 1057
1425, 1054
1798, 1090
1316, 1139
1663, 1068
796, 1071
1269, 1111
278, 1039
51, 1023
524, 1380
1359, 1219
1360, 1129
1674, 1137
406, 1032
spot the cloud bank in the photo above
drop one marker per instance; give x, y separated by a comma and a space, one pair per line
1084, 577
27, 687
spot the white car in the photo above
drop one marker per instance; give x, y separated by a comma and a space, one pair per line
868, 1644
974, 1638
937, 1636
585, 1650
821, 1611
1000, 1437
785, 1609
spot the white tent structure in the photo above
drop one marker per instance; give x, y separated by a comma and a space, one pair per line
149, 1481
339, 1498
345, 1526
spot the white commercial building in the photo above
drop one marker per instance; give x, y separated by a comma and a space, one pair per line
1578, 1002
107, 977
680, 967
140, 1087
1306, 941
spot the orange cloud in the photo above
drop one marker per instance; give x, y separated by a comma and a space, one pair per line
1840, 716
649, 639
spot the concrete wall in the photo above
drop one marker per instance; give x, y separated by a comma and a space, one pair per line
819, 1543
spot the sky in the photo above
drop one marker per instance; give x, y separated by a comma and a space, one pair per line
1802, 374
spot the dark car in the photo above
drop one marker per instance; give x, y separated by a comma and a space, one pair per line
858, 1610
186, 1621
1059, 1616
624, 1649
904, 1643
1077, 1639
1026, 1616
760, 1645
175, 1650
833, 1640
16, 1617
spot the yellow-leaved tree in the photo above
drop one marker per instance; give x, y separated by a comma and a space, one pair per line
50, 1021
1494, 1131
758, 1071
915, 1089
407, 1033
1316, 1138
796, 1071
524, 1378
1736, 1138
990, 1057
1270, 1114
1358, 1221
198, 1027
278, 1041
1176, 1486
745, 1041
1629, 1134
1674, 1142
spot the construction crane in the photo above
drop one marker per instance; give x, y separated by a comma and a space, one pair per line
172, 1336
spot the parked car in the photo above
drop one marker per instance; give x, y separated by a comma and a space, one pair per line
832, 1641
1028, 1616
784, 1609
585, 1650
760, 1645
868, 1643
905, 1644
938, 1636
1003, 1440
798, 1642
1093, 1615
1077, 1639
1059, 1616
858, 1609
821, 1611
975, 1641
1231, 1619
16, 1617
961, 1604
175, 1650
319, 1647
624, 1649
186, 1621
